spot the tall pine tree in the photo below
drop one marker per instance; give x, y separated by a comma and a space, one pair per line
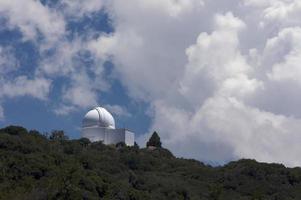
154, 140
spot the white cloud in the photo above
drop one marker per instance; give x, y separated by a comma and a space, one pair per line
284, 54
252, 133
1, 113
224, 129
219, 67
259, 3
208, 103
80, 93
80, 8
8, 62
80, 96
277, 13
38, 88
148, 37
64, 109
32, 18
282, 10
171, 7
215, 64
118, 110
228, 22
63, 61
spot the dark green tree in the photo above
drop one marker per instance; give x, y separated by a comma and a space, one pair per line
120, 145
58, 135
136, 146
14, 130
84, 142
154, 140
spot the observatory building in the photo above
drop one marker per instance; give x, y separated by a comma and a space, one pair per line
99, 125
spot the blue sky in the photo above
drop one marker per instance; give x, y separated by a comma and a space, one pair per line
218, 79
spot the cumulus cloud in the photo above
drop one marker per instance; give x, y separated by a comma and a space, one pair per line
285, 44
37, 87
118, 110
282, 10
82, 91
21, 86
78, 8
171, 7
62, 61
224, 129
251, 132
33, 18
276, 13
221, 66
8, 61
216, 62
212, 74
140, 50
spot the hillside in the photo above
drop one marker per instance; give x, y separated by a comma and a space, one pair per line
34, 166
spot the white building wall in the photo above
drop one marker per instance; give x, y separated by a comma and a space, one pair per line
129, 138
94, 134
114, 136
108, 136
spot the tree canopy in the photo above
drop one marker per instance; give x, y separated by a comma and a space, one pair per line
33, 166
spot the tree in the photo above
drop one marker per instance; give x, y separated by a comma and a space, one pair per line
14, 130
154, 140
120, 145
84, 142
58, 135
136, 146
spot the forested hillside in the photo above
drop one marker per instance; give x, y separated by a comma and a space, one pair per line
36, 166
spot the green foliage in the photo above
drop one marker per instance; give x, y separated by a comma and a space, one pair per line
58, 135
14, 130
35, 167
154, 140
84, 142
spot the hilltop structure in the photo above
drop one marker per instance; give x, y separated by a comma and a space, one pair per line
99, 125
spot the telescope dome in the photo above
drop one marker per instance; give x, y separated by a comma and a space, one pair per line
99, 117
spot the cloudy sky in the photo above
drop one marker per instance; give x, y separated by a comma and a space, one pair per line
218, 79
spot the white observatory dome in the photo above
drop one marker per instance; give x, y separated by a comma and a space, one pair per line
99, 117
